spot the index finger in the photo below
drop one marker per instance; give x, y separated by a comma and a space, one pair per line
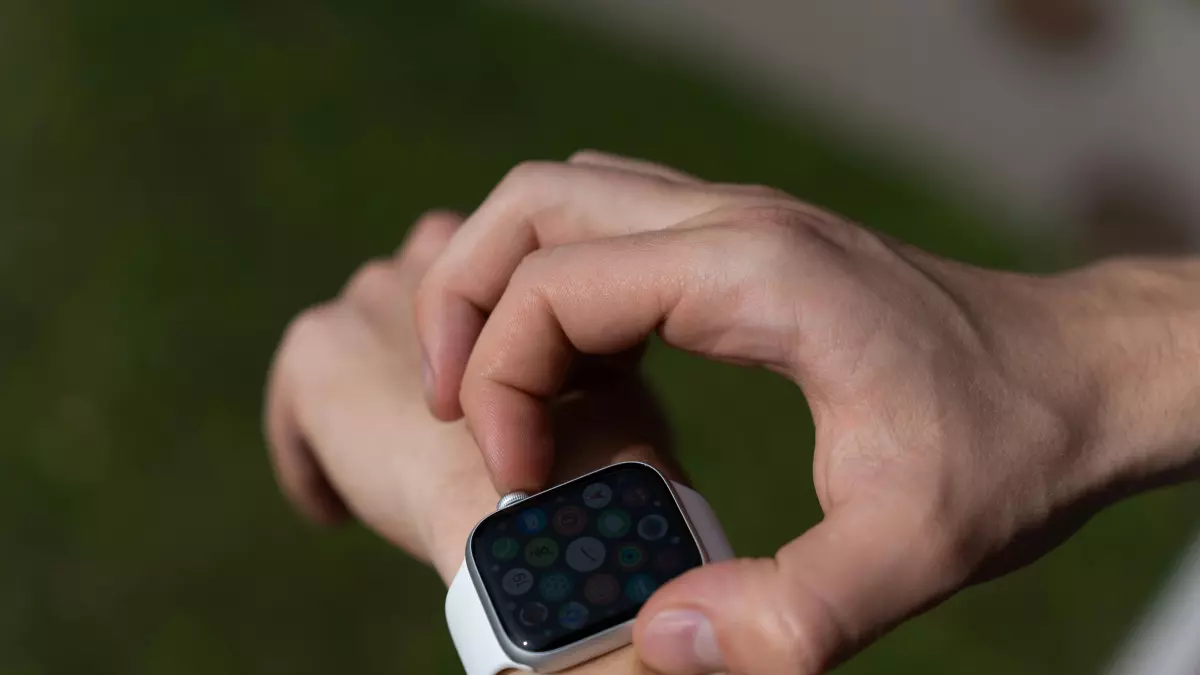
602, 297
539, 204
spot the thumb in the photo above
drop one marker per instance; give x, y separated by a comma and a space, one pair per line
822, 597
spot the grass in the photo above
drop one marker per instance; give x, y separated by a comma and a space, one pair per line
178, 179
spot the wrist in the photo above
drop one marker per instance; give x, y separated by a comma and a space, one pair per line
449, 521
1136, 327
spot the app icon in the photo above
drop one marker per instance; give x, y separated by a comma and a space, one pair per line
533, 613
517, 581
613, 523
630, 556
572, 616
531, 521
585, 554
597, 495
652, 527
505, 548
601, 589
640, 587
636, 497
570, 520
541, 552
555, 587
668, 560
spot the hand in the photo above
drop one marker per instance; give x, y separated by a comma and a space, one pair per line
967, 420
350, 433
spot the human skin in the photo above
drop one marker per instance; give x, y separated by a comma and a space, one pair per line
967, 419
350, 435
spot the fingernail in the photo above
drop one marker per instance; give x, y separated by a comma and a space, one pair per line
682, 641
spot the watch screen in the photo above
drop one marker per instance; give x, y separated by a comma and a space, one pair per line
582, 557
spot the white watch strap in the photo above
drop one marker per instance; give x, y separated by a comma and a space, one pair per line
704, 521
472, 633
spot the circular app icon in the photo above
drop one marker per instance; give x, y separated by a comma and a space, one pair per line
640, 587
570, 520
613, 523
517, 581
505, 548
533, 613
572, 616
636, 497
601, 589
668, 560
630, 556
555, 587
541, 552
585, 554
652, 527
597, 495
531, 521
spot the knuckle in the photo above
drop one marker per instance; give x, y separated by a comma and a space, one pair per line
763, 222
784, 231
768, 234
438, 216
781, 223
524, 183
763, 192
310, 328
439, 278
529, 173
375, 281
318, 350
427, 237
587, 155
533, 270
309, 324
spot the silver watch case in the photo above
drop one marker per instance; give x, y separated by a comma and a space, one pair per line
591, 647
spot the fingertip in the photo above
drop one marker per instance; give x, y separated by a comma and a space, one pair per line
694, 591
732, 616
675, 633
681, 642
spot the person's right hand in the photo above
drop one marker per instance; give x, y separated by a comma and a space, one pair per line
967, 419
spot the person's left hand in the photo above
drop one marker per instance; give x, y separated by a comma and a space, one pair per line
349, 431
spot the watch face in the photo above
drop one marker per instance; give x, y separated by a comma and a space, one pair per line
582, 557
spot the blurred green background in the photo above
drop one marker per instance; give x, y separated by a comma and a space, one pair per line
178, 179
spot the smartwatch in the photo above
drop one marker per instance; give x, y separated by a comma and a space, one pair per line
553, 580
